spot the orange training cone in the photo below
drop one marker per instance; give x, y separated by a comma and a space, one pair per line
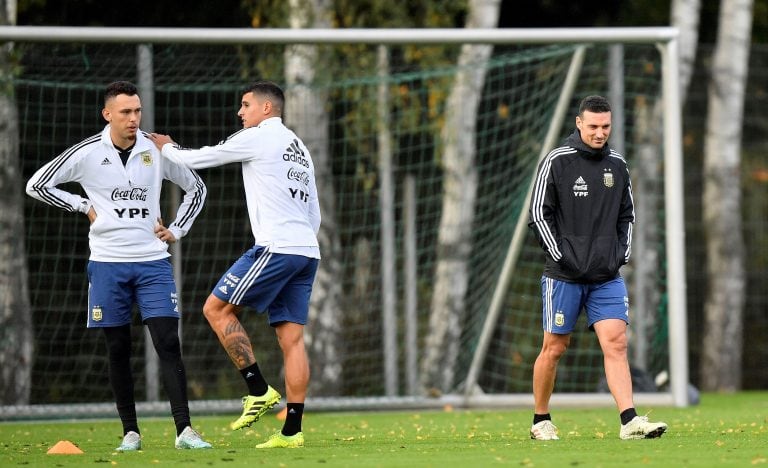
65, 447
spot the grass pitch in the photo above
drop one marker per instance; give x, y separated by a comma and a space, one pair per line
724, 430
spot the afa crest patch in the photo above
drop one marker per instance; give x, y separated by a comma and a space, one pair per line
559, 319
146, 158
96, 314
608, 179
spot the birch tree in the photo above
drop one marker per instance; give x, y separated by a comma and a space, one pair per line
16, 338
306, 113
724, 303
647, 170
686, 15
438, 365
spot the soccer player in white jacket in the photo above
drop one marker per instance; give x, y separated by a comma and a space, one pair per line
276, 275
122, 173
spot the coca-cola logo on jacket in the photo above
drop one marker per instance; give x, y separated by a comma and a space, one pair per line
130, 193
299, 176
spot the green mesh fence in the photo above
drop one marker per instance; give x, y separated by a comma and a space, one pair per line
196, 99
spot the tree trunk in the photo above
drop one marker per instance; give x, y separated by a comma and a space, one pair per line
724, 304
646, 185
442, 343
306, 114
685, 15
646, 241
16, 337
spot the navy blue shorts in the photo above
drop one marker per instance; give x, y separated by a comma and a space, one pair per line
279, 284
562, 302
113, 288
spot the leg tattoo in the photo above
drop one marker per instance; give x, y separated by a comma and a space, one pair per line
237, 344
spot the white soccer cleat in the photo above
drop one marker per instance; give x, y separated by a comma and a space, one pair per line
640, 428
544, 430
131, 442
190, 439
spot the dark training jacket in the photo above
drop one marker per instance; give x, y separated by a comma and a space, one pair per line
582, 212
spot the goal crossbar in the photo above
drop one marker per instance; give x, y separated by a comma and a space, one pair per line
337, 36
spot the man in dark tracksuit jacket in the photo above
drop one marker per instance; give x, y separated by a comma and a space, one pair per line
582, 213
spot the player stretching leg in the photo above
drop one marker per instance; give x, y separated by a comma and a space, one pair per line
276, 275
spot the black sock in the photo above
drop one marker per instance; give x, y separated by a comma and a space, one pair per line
537, 418
165, 336
256, 384
292, 425
627, 415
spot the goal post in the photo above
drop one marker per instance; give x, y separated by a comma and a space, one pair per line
521, 226
530, 90
675, 229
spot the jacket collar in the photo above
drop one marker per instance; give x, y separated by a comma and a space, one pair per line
270, 121
574, 141
142, 142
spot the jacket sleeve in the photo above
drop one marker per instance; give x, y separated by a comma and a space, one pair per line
626, 219
542, 210
42, 185
194, 197
314, 208
236, 148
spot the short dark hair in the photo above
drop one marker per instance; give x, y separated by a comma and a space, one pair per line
117, 88
268, 90
594, 103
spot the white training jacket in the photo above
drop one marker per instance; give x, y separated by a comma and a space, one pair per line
126, 198
279, 183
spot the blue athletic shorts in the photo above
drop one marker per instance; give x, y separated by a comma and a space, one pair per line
562, 302
279, 284
113, 288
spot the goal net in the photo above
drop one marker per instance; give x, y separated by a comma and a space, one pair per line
194, 95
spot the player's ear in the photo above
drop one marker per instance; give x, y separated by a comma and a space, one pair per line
106, 114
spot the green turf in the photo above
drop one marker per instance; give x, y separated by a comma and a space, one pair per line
724, 430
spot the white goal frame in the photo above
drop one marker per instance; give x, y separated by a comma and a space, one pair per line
666, 40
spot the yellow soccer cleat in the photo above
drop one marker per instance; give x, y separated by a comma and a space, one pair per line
278, 440
254, 407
